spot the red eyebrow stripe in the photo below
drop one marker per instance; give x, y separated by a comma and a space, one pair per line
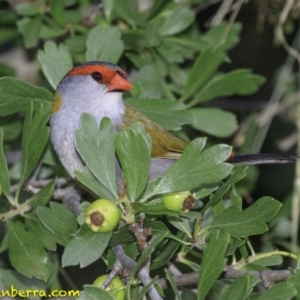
87, 70
107, 73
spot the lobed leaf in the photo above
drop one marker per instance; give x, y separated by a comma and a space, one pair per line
54, 72
58, 220
237, 82
173, 19
194, 168
96, 147
203, 68
30, 29
250, 221
85, 247
104, 44
133, 148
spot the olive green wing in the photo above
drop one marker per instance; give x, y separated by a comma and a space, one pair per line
164, 144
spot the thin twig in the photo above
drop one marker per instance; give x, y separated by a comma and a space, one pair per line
276, 96
221, 13
289, 4
237, 7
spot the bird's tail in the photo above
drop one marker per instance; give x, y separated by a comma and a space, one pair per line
258, 159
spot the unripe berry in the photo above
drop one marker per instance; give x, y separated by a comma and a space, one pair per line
115, 284
181, 201
102, 216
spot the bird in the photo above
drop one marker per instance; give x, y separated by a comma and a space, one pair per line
96, 88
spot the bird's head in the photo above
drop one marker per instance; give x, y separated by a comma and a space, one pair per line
93, 87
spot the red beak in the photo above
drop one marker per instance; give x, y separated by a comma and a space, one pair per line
119, 83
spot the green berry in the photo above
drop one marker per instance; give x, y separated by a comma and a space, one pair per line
115, 284
181, 201
102, 216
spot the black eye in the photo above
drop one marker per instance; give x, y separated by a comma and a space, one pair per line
97, 76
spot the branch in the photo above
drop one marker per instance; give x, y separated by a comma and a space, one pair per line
267, 277
143, 274
70, 197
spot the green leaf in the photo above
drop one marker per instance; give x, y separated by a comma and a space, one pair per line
91, 183
250, 221
282, 290
204, 67
104, 44
274, 260
168, 114
294, 280
43, 196
108, 7
96, 148
216, 34
157, 209
194, 168
4, 174
57, 11
16, 95
213, 261
30, 29
12, 128
58, 220
214, 121
238, 175
6, 70
94, 293
26, 253
54, 72
168, 251
238, 82
133, 148
11, 281
47, 32
128, 11
173, 284
85, 248
27, 9
173, 19
6, 35
150, 79
240, 288
183, 224
34, 225
34, 139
